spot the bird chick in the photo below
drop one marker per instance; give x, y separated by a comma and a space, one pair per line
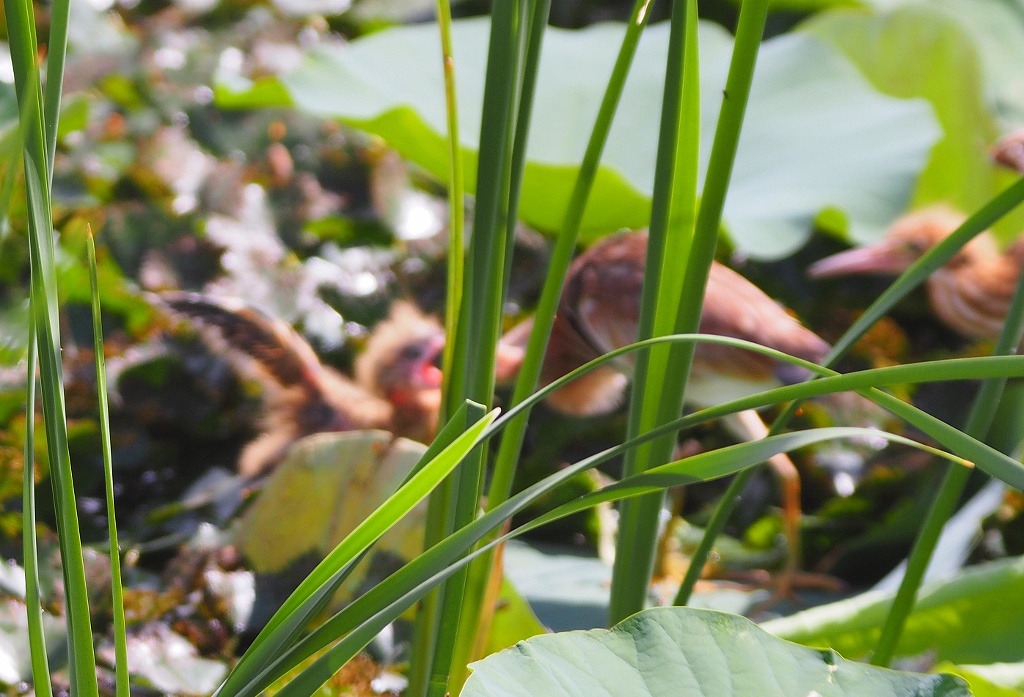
397, 386
970, 294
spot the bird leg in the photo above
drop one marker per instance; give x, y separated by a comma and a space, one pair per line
748, 426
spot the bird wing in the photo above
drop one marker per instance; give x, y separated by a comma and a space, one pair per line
603, 296
276, 351
733, 306
603, 290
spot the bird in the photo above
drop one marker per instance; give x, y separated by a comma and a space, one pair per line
599, 311
970, 293
1008, 151
397, 385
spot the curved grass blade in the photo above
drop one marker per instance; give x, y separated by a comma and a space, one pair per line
918, 272
953, 483
384, 593
653, 402
698, 468
985, 457
294, 615
114, 549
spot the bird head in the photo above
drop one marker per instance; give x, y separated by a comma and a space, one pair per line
904, 243
402, 356
1009, 151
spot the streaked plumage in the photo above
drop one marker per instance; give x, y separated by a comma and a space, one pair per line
397, 387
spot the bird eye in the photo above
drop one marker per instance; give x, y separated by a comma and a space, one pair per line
410, 352
915, 247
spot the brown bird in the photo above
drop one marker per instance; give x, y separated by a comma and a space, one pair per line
599, 311
397, 386
1009, 150
970, 294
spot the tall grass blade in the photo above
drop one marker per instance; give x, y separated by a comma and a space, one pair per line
30, 548
668, 244
480, 309
456, 213
477, 609
56, 52
114, 549
44, 304
561, 257
658, 387
22, 39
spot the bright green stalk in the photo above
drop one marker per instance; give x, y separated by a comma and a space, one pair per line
483, 293
533, 39
639, 517
56, 51
954, 480
561, 257
635, 543
120, 632
914, 276
456, 206
21, 34
37, 641
475, 616
439, 503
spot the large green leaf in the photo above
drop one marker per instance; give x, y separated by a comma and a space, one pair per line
817, 135
963, 56
997, 29
686, 652
969, 619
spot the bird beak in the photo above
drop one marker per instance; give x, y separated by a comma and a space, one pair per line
881, 258
429, 375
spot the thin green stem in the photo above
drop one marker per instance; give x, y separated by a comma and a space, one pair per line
22, 38
639, 516
456, 206
440, 502
120, 632
476, 616
55, 60
561, 257
30, 547
482, 297
635, 544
